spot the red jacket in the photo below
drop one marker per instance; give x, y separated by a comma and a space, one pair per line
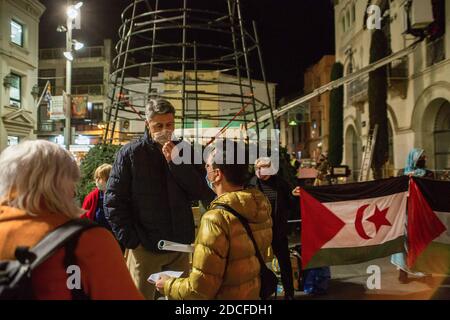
90, 204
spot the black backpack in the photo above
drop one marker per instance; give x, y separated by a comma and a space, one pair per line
269, 280
15, 275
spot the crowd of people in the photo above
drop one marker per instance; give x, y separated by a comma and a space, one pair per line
142, 198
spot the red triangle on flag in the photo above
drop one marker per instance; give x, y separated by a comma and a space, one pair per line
319, 225
423, 224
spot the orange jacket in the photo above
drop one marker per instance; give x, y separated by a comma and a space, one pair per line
104, 275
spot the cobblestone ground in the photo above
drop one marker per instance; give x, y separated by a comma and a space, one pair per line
350, 282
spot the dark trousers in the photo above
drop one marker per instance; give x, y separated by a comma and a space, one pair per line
280, 248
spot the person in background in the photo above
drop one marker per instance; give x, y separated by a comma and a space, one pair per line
93, 202
415, 167
294, 161
225, 266
269, 181
148, 198
416, 163
37, 190
323, 170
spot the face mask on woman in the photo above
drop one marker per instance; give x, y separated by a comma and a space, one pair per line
210, 184
420, 163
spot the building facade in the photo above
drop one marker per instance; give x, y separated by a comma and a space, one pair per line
19, 41
305, 129
419, 85
90, 77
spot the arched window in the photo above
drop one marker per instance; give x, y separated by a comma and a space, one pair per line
353, 152
353, 13
442, 137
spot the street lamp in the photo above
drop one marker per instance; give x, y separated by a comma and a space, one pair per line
68, 55
77, 45
72, 12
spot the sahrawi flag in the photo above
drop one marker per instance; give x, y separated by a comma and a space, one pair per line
429, 226
353, 223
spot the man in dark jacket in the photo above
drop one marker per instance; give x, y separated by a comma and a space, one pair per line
148, 198
279, 194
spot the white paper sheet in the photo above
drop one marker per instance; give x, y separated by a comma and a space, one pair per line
154, 277
174, 246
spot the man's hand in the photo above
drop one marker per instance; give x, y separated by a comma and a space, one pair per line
167, 150
160, 283
296, 192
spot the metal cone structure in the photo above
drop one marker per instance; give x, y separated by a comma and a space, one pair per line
198, 58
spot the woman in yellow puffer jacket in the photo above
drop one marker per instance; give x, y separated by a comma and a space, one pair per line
225, 266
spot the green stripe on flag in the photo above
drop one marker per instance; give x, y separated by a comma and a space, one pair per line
344, 256
435, 259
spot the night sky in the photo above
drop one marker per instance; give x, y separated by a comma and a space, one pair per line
294, 34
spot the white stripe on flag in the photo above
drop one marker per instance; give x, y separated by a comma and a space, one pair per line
445, 219
348, 236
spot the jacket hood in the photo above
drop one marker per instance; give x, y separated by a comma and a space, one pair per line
411, 163
251, 203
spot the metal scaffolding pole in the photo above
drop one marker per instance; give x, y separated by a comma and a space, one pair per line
216, 73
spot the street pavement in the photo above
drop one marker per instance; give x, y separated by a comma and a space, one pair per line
350, 283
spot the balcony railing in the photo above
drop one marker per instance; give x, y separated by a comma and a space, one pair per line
57, 53
92, 90
53, 53
47, 126
357, 90
398, 69
435, 51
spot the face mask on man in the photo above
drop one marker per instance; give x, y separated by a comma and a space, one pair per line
162, 137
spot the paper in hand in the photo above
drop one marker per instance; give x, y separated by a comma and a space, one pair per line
173, 274
174, 246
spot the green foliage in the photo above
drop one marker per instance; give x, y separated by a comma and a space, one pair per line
336, 137
98, 155
378, 90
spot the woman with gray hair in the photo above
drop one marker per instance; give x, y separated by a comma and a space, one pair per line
37, 188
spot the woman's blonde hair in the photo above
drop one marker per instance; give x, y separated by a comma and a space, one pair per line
38, 177
103, 172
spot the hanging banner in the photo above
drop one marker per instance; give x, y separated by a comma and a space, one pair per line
56, 108
79, 107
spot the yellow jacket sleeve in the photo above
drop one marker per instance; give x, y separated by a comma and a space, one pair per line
209, 261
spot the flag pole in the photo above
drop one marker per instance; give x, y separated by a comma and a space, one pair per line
38, 103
